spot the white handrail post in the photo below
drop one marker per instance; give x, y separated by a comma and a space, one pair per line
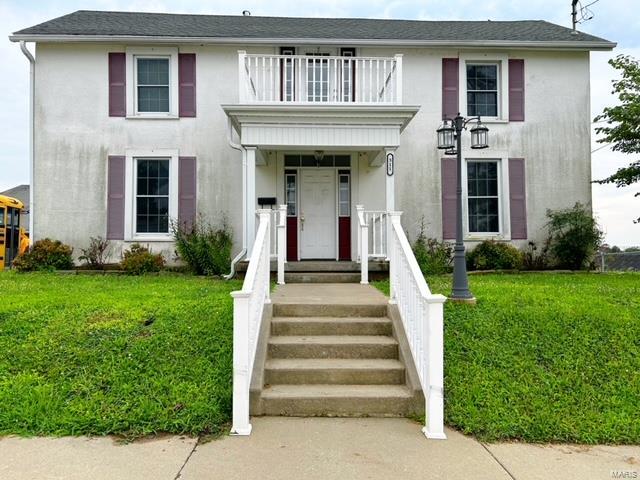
264, 215
398, 58
359, 214
242, 75
282, 242
364, 253
241, 425
394, 222
434, 394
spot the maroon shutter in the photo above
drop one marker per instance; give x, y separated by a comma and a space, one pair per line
449, 180
516, 90
450, 98
517, 199
187, 84
187, 185
115, 197
117, 89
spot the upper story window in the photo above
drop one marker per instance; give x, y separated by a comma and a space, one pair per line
152, 84
484, 86
482, 90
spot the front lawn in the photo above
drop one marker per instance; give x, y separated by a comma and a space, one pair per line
125, 355
544, 357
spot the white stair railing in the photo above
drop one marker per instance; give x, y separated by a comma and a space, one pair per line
422, 318
248, 308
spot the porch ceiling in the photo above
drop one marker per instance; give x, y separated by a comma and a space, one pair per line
304, 126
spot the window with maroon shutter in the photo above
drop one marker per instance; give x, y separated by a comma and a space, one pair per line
115, 197
517, 199
117, 84
448, 185
187, 84
450, 100
516, 90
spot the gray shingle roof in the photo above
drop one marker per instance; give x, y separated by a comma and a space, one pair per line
119, 24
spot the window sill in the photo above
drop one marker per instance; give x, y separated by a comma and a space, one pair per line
478, 237
153, 117
493, 120
158, 238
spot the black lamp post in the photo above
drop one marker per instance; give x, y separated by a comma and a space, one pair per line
450, 140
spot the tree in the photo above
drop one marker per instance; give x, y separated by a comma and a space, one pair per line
623, 121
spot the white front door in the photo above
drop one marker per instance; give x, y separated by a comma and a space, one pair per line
318, 213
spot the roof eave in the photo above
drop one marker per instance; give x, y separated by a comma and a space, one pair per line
556, 45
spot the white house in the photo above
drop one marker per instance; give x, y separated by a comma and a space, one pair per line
140, 118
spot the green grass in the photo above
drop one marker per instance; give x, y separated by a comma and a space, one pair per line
121, 355
544, 357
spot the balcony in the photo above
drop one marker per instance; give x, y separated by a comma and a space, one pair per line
319, 80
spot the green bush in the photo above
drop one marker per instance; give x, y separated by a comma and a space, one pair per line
205, 248
534, 258
96, 254
575, 237
434, 257
492, 255
138, 260
45, 254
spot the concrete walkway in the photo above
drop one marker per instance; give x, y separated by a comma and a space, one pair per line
311, 448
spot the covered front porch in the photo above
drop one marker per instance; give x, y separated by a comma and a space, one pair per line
320, 163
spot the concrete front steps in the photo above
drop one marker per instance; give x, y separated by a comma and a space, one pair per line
332, 351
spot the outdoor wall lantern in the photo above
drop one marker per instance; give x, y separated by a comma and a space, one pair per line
318, 155
450, 140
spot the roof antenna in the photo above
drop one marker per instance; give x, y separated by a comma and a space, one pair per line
574, 14
246, 13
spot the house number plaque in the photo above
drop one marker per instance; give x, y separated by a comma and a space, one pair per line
390, 160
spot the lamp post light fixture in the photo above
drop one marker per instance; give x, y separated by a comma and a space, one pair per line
450, 140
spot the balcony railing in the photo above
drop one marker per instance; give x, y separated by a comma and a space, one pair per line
319, 79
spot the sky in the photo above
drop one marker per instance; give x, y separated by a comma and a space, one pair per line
615, 20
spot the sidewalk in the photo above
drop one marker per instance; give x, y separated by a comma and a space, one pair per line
311, 448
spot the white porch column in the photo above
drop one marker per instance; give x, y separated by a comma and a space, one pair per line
390, 190
251, 199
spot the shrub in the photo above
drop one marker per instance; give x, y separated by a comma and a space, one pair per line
45, 254
205, 248
534, 259
492, 255
96, 254
139, 260
434, 257
575, 237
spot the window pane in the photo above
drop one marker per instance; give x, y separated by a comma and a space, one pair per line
153, 99
342, 160
153, 71
292, 160
2, 213
482, 104
290, 194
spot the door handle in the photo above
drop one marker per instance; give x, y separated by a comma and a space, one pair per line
302, 222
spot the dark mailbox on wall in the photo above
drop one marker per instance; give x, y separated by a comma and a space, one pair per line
266, 201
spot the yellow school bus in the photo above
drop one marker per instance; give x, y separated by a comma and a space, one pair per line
13, 239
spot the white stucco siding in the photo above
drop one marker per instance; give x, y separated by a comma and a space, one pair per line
74, 135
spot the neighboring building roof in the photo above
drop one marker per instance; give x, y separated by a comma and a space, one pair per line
106, 26
21, 192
